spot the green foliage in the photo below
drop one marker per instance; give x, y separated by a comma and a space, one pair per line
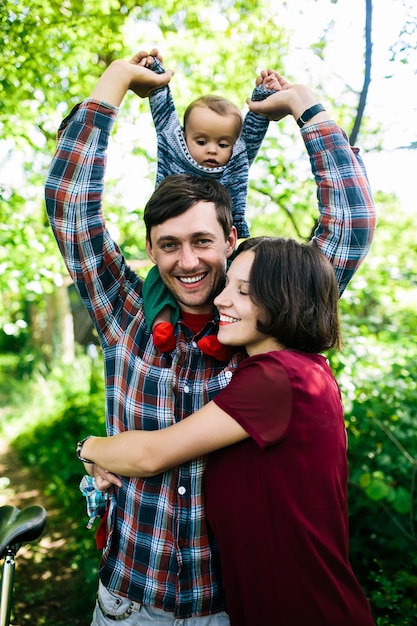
41, 41
28, 261
282, 198
381, 393
51, 444
404, 48
44, 416
377, 372
382, 297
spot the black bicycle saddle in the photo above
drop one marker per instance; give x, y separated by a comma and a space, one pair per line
20, 526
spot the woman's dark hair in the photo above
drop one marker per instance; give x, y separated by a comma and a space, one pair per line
177, 193
295, 287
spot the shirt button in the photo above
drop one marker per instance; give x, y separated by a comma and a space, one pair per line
181, 490
228, 374
186, 389
194, 344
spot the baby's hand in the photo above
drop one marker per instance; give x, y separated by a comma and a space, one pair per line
271, 80
145, 59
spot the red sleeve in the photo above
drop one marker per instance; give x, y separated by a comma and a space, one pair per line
259, 398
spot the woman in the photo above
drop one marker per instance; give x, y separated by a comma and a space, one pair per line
276, 481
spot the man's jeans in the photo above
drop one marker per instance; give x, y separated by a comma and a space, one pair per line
111, 608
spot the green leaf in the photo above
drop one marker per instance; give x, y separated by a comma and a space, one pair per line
376, 490
402, 500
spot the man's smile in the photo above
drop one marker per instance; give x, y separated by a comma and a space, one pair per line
191, 280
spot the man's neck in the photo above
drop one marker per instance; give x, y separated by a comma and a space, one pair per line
196, 321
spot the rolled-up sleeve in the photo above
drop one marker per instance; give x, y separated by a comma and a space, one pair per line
347, 213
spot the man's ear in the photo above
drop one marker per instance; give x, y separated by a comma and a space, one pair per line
231, 242
149, 251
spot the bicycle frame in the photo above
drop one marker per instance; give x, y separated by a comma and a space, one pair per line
7, 587
16, 528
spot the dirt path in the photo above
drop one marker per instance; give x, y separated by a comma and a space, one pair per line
48, 590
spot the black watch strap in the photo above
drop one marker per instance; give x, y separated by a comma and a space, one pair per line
309, 113
80, 447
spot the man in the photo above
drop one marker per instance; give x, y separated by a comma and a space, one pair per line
159, 563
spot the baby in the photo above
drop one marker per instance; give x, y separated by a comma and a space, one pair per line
215, 142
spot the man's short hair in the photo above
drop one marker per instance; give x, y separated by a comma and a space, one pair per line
179, 192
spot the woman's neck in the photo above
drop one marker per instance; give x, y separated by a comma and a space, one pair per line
268, 344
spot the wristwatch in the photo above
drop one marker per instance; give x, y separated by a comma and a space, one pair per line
309, 113
79, 449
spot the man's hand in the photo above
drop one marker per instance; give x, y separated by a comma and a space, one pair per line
145, 59
121, 76
288, 100
148, 81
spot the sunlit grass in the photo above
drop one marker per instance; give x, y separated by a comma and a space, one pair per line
28, 399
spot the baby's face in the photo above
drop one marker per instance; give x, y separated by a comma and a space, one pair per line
210, 137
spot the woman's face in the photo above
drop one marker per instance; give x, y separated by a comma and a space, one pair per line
238, 314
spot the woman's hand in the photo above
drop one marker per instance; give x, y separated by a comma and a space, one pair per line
105, 479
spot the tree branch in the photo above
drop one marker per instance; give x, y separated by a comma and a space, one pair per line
367, 76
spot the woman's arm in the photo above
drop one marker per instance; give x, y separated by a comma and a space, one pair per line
143, 453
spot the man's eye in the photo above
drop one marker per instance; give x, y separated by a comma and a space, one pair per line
168, 246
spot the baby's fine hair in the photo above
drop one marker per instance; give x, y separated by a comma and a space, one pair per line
219, 105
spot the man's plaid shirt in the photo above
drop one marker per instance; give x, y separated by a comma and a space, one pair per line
158, 548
